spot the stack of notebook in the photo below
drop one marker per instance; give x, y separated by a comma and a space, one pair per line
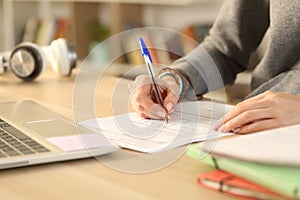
264, 165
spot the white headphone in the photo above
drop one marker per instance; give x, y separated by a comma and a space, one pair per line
27, 60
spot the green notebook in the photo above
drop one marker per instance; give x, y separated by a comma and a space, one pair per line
285, 180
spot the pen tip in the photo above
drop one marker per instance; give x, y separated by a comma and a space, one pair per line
167, 119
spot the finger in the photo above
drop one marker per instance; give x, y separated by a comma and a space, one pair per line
170, 101
257, 102
155, 111
141, 97
246, 118
145, 94
140, 110
169, 98
143, 115
170, 93
152, 114
259, 126
145, 101
138, 97
147, 108
241, 108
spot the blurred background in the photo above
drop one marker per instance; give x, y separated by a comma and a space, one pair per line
86, 23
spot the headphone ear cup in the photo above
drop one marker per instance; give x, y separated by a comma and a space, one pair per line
59, 49
27, 61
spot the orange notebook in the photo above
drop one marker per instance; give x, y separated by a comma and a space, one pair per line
231, 184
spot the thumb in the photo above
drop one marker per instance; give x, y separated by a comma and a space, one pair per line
170, 101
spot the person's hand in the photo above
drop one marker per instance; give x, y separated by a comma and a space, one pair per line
143, 98
264, 111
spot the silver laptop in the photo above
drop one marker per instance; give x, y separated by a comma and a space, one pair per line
32, 134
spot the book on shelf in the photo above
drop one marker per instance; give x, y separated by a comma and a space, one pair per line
151, 47
164, 48
130, 46
62, 26
161, 49
133, 53
30, 30
43, 31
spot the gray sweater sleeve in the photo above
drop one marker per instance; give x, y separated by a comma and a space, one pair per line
235, 34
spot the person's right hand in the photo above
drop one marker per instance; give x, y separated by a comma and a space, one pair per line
143, 99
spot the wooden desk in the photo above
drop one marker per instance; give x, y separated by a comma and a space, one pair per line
87, 178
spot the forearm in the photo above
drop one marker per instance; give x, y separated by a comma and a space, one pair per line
235, 34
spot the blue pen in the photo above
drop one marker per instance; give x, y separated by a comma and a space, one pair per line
148, 61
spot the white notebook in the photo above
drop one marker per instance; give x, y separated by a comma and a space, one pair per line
191, 122
279, 146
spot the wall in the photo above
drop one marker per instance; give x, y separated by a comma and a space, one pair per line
167, 16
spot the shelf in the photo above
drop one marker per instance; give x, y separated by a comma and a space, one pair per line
160, 13
143, 2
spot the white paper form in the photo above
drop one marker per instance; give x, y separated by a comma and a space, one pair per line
190, 122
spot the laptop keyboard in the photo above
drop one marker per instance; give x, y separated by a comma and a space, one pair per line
15, 143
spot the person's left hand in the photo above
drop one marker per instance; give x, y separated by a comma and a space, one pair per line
264, 111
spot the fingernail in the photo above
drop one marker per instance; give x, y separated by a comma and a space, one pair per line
218, 124
161, 114
169, 107
236, 130
221, 129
